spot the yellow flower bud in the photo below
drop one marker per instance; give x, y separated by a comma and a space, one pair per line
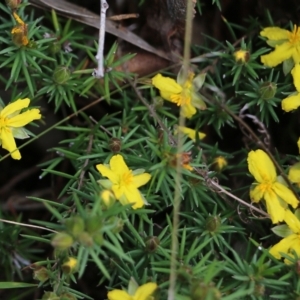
108, 198
220, 163
69, 266
241, 56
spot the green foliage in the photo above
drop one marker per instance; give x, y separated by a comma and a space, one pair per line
222, 240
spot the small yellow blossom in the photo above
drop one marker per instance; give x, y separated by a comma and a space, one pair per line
294, 173
293, 102
191, 133
12, 123
19, 32
220, 162
142, 293
108, 198
70, 265
291, 242
124, 182
241, 56
286, 43
184, 94
276, 195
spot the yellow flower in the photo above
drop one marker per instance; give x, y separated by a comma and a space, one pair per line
12, 123
142, 293
286, 43
292, 241
70, 265
184, 94
275, 194
220, 163
124, 182
108, 198
294, 173
19, 32
293, 102
191, 133
287, 46
241, 56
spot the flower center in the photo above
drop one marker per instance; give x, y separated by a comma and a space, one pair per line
184, 98
3, 122
126, 178
294, 37
266, 186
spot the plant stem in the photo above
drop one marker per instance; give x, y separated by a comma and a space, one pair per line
177, 193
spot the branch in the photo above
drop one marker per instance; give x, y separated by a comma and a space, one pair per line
99, 72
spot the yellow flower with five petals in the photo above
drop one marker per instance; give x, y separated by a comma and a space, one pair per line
276, 195
124, 182
12, 121
183, 93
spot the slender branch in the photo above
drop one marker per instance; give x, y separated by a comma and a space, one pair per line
99, 72
178, 178
27, 225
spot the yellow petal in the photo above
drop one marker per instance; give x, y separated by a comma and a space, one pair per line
106, 172
8, 143
274, 207
285, 194
290, 103
256, 193
118, 165
191, 133
141, 179
284, 245
145, 290
166, 85
15, 106
275, 33
294, 173
281, 53
292, 221
24, 118
133, 195
188, 110
118, 190
296, 76
298, 144
261, 166
118, 295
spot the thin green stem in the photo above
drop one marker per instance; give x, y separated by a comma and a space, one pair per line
177, 193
